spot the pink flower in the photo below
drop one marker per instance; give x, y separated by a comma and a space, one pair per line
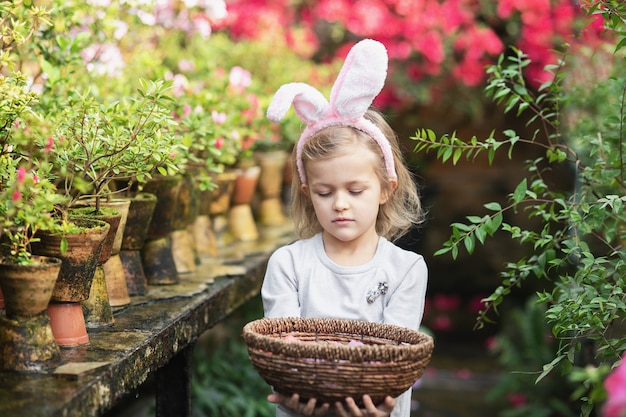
202, 25
49, 144
218, 117
615, 385
179, 83
21, 175
35, 179
491, 344
219, 143
186, 111
239, 79
17, 196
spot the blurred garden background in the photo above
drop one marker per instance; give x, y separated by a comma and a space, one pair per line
511, 115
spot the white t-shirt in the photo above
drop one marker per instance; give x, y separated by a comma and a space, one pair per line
302, 281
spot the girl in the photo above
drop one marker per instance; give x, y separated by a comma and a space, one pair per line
351, 193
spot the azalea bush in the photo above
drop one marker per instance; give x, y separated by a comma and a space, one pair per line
578, 244
437, 49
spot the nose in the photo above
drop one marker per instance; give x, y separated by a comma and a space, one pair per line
340, 203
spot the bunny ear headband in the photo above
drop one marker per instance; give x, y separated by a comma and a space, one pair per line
360, 80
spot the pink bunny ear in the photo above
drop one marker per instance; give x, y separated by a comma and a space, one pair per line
360, 80
310, 105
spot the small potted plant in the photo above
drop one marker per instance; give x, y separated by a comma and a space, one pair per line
27, 201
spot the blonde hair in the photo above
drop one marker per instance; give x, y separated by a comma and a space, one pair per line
396, 216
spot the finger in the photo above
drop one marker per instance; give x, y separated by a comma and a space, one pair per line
323, 409
368, 404
388, 405
353, 409
292, 402
341, 411
309, 408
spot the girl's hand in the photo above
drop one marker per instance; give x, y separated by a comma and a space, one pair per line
370, 410
293, 403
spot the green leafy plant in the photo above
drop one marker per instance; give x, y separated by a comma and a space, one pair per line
127, 140
226, 384
224, 381
523, 346
579, 242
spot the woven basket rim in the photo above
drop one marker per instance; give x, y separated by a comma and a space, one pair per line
409, 345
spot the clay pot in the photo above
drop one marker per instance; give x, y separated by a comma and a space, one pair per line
245, 184
28, 288
28, 345
166, 190
139, 217
158, 262
217, 200
270, 208
213, 203
242, 225
112, 211
97, 308
116, 281
68, 324
113, 269
79, 261
140, 213
272, 165
109, 215
186, 207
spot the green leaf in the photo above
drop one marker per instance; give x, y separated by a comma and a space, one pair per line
520, 191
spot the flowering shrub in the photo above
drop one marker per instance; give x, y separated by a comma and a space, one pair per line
435, 47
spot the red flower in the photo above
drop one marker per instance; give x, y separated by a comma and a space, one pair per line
21, 175
17, 196
446, 302
516, 399
49, 144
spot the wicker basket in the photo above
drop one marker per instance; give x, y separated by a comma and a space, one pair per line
390, 360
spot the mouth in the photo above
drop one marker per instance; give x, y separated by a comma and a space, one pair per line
342, 220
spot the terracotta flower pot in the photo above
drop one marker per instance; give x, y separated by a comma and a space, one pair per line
68, 324
166, 190
242, 225
217, 200
97, 308
245, 184
140, 212
79, 261
113, 269
27, 288
28, 345
26, 340
270, 210
108, 215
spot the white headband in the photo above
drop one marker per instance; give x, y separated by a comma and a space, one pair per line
360, 80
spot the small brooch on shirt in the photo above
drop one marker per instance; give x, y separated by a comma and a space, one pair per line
376, 291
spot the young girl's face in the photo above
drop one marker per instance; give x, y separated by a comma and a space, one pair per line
346, 193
